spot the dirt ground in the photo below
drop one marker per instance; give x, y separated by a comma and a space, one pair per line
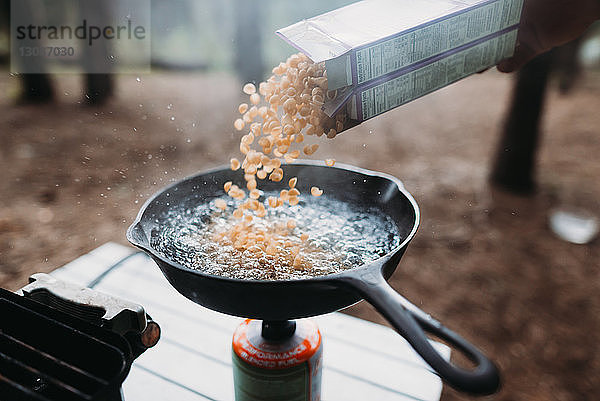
484, 262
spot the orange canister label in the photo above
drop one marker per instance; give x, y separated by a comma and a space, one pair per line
268, 355
287, 370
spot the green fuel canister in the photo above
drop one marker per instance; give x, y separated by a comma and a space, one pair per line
280, 360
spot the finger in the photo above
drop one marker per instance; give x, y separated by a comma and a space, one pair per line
523, 54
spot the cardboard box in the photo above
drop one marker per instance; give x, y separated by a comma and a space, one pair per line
380, 54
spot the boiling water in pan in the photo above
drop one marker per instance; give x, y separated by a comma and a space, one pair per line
341, 237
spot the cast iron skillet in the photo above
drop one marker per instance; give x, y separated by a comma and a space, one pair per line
292, 299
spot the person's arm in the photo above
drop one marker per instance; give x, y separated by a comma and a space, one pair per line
549, 23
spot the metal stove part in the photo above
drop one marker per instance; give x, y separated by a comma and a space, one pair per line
120, 316
61, 342
116, 314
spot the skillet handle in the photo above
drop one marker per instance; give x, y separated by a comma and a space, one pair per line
412, 324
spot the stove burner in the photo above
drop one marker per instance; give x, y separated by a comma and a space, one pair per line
61, 342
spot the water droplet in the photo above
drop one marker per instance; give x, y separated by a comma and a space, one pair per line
149, 157
188, 140
134, 129
170, 106
172, 118
138, 79
39, 384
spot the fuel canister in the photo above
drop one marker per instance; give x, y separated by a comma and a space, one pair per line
277, 361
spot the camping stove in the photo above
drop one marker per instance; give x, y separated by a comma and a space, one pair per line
61, 342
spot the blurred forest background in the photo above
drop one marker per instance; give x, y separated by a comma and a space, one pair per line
485, 261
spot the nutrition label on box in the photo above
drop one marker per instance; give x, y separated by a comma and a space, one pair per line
380, 54
438, 37
417, 83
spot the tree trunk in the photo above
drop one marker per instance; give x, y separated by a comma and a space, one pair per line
249, 57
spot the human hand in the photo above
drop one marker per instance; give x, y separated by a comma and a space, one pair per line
546, 24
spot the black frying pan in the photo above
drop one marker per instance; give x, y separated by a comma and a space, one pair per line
291, 299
